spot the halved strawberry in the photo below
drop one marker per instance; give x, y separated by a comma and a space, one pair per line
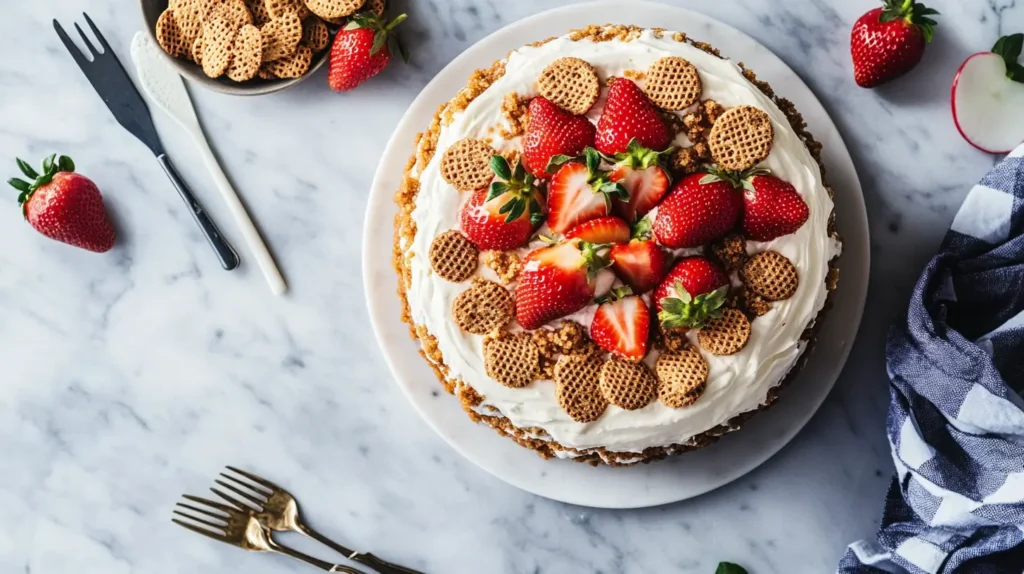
504, 216
601, 230
700, 208
622, 324
579, 192
639, 170
641, 264
557, 281
552, 132
629, 115
692, 293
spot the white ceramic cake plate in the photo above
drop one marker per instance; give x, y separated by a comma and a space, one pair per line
680, 477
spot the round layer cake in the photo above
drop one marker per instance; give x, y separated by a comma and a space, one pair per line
615, 245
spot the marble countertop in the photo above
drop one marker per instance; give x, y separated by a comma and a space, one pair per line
130, 378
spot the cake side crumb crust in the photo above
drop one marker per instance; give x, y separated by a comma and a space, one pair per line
535, 438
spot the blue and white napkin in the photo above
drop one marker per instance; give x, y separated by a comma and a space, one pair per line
956, 422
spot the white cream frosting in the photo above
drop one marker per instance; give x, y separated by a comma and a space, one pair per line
736, 383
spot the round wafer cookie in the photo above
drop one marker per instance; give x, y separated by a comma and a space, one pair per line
218, 40
682, 377
453, 257
571, 84
293, 66
483, 308
578, 389
258, 9
375, 7
771, 275
315, 33
466, 165
741, 138
627, 384
726, 334
234, 11
189, 15
673, 83
197, 50
277, 8
281, 36
265, 73
168, 35
246, 54
512, 360
330, 9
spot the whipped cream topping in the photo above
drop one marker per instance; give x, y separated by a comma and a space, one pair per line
736, 383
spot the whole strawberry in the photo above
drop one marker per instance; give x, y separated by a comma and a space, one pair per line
504, 215
65, 206
691, 294
700, 208
553, 132
771, 208
362, 49
888, 42
629, 115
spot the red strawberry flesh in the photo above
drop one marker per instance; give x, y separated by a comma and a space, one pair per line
639, 264
622, 327
601, 230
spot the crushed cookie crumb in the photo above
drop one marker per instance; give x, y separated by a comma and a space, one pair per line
685, 161
703, 151
504, 263
712, 111
673, 121
730, 251
511, 155
752, 304
569, 338
635, 75
516, 112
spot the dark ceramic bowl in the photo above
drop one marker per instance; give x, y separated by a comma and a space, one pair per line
151, 10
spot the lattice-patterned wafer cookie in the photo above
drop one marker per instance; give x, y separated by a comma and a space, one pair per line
578, 389
331, 9
483, 308
682, 377
627, 384
265, 73
258, 9
741, 138
235, 12
375, 7
726, 334
771, 275
246, 55
278, 8
466, 165
571, 84
512, 360
453, 257
197, 50
218, 41
281, 37
168, 35
673, 83
314, 33
189, 15
293, 66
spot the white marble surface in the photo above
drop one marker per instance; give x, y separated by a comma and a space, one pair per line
130, 378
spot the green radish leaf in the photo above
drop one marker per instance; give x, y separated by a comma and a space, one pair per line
19, 184
1015, 73
65, 163
1010, 47
730, 568
499, 165
27, 169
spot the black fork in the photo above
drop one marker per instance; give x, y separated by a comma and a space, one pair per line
110, 80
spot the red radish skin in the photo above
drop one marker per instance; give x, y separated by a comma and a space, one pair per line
960, 116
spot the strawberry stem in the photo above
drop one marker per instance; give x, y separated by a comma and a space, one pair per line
687, 311
518, 185
913, 13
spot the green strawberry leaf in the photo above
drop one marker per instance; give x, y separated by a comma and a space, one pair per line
27, 169
730, 568
65, 163
557, 161
380, 39
518, 208
1015, 73
498, 189
48, 164
19, 184
499, 165
642, 229
593, 159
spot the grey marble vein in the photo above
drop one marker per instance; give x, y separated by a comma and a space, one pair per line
132, 377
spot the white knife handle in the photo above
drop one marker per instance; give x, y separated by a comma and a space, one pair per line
249, 233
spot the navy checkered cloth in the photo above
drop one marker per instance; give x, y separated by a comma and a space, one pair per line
956, 422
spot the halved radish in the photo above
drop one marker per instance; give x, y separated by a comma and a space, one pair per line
988, 106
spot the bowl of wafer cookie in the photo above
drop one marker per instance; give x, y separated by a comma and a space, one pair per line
249, 47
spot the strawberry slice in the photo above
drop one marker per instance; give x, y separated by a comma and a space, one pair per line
622, 324
557, 281
700, 208
579, 192
692, 293
771, 208
629, 115
601, 230
641, 264
639, 170
553, 132
504, 216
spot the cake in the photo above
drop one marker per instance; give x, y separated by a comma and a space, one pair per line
615, 245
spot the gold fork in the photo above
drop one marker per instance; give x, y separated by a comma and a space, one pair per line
240, 528
278, 511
